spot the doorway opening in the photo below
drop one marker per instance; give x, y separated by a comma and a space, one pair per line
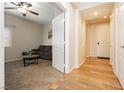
34, 43
100, 40
95, 26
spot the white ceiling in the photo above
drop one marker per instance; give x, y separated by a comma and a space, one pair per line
85, 5
102, 10
47, 11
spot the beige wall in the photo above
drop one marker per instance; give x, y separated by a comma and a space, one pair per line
25, 36
82, 43
92, 37
80, 40
44, 37
72, 38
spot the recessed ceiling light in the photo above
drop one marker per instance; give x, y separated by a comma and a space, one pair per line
95, 13
105, 16
110, 16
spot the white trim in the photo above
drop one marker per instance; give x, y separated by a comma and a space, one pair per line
76, 38
2, 88
1, 45
81, 63
67, 42
16, 59
122, 85
71, 69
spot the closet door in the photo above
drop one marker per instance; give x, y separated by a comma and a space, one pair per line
120, 44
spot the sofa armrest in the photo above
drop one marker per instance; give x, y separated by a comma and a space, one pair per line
35, 50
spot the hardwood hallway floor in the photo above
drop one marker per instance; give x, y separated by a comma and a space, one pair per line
94, 74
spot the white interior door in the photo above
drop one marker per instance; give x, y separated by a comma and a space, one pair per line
58, 42
103, 41
120, 44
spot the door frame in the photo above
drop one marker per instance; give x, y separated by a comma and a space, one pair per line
1, 46
62, 6
59, 4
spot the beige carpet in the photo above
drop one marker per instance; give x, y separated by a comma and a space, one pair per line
31, 77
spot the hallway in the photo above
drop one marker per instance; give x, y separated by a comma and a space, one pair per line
94, 74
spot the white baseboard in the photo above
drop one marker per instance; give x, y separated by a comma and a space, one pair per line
2, 88
16, 59
122, 84
71, 69
81, 63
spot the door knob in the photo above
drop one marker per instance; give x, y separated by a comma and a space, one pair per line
122, 46
98, 43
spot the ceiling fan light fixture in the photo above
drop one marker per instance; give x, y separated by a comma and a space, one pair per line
25, 6
22, 10
19, 9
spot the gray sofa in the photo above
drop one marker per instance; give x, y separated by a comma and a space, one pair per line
44, 52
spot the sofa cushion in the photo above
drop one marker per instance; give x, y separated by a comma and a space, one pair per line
41, 53
41, 48
47, 49
44, 51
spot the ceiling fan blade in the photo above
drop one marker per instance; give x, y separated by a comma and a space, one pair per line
33, 12
14, 3
10, 8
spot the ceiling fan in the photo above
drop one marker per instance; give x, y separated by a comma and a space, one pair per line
22, 7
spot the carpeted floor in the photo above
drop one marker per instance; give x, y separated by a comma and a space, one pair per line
31, 77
